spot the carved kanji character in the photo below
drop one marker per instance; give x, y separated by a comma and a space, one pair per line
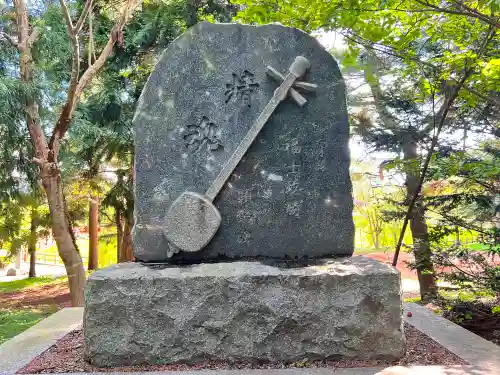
241, 87
205, 133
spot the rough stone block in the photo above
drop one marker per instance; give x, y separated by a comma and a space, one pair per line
243, 311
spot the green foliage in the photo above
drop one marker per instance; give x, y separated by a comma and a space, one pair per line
376, 226
13, 234
11, 221
470, 270
15, 221
52, 52
101, 135
470, 202
17, 172
96, 155
460, 295
425, 50
437, 45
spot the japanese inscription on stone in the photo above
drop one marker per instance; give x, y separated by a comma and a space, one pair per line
192, 220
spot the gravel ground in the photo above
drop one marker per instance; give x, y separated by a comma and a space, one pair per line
67, 356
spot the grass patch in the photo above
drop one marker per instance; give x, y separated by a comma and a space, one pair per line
16, 285
458, 296
477, 247
413, 299
465, 295
107, 250
13, 322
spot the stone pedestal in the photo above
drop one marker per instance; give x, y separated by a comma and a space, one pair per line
243, 311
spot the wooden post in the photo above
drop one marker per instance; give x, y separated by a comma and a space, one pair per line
93, 233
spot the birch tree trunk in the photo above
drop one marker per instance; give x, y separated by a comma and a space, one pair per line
47, 153
63, 232
47, 160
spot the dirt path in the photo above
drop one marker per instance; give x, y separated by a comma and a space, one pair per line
53, 295
386, 257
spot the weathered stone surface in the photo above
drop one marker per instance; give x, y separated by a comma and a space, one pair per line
242, 311
291, 194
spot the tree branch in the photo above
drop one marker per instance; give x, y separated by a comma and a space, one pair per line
66, 112
66, 15
10, 39
78, 85
446, 107
26, 74
33, 37
37, 161
460, 223
467, 13
368, 44
91, 71
480, 15
489, 99
75, 55
81, 20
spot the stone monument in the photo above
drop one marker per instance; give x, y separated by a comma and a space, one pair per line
243, 219
290, 196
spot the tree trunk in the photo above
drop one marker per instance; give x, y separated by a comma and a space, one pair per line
32, 242
126, 242
17, 261
126, 254
46, 153
32, 270
119, 234
63, 233
192, 10
457, 237
93, 233
418, 225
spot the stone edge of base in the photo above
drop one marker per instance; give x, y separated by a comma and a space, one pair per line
361, 265
483, 356
434, 370
23, 348
465, 344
